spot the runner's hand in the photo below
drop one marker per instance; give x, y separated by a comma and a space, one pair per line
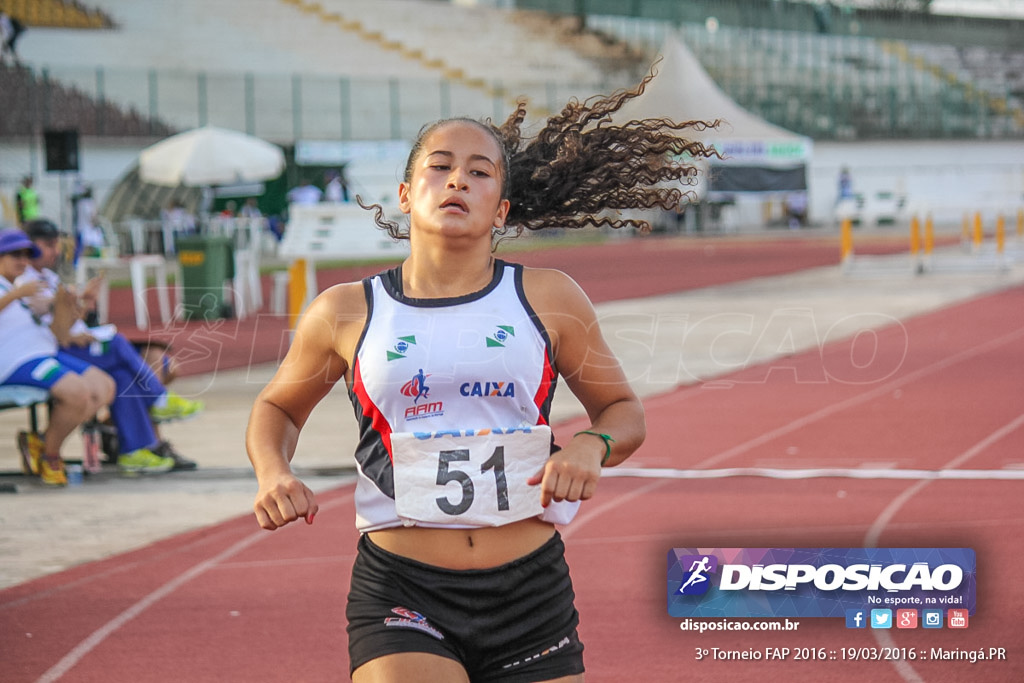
571, 474
283, 500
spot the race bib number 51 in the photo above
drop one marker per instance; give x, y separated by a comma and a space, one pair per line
474, 477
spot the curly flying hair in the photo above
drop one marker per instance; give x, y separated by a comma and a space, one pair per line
583, 165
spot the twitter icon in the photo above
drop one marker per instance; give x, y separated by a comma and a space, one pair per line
881, 618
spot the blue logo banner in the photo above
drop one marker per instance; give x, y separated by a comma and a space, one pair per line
818, 582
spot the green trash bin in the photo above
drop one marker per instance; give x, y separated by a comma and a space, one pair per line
207, 262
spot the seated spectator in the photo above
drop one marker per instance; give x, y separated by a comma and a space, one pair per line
141, 397
157, 355
30, 356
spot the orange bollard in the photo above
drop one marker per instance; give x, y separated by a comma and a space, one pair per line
296, 290
1020, 222
979, 235
1000, 234
915, 236
845, 239
929, 235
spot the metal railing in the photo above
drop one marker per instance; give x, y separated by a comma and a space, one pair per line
834, 18
827, 86
836, 87
281, 108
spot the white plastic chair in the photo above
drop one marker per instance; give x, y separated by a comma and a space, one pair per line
248, 290
139, 267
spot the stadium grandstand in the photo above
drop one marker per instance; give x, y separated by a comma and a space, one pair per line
892, 89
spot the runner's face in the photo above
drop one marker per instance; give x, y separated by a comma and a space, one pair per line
456, 183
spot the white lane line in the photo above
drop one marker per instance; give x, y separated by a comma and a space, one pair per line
837, 472
50, 592
676, 538
588, 514
68, 661
877, 392
871, 539
906, 671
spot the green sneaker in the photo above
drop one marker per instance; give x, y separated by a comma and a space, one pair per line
176, 408
144, 461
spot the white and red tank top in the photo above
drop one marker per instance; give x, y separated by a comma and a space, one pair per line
477, 362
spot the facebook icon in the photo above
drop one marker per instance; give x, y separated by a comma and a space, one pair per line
856, 618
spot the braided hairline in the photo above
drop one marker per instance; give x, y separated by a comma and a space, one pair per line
582, 165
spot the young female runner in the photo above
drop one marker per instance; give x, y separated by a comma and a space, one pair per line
451, 361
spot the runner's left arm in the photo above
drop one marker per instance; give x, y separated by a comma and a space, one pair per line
595, 377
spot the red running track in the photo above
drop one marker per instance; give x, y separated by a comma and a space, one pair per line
233, 603
953, 400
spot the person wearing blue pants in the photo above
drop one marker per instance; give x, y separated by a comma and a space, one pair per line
140, 398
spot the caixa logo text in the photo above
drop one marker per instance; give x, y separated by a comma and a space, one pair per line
832, 577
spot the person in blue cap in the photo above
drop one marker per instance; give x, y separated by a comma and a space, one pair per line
30, 356
141, 398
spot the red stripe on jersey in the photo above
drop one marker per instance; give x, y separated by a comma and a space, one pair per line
370, 410
544, 389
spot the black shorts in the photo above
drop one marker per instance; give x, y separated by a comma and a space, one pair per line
516, 622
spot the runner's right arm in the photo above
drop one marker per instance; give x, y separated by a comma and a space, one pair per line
315, 362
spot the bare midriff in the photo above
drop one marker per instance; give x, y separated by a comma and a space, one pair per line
465, 548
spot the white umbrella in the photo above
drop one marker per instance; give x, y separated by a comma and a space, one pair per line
208, 156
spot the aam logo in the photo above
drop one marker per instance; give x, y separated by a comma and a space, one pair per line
417, 389
697, 571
